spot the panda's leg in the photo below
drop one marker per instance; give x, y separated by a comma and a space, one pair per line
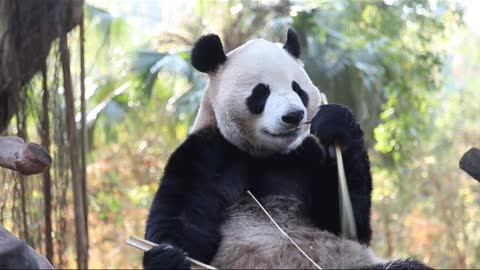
336, 123
399, 264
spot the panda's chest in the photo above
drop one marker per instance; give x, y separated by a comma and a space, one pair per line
279, 177
251, 241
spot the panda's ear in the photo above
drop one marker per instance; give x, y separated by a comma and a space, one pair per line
207, 54
292, 45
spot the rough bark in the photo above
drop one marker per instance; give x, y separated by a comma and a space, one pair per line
80, 224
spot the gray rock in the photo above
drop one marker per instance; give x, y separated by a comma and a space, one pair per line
16, 254
470, 163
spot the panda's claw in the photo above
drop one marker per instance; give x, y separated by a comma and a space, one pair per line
165, 256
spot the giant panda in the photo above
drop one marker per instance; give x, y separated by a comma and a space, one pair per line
261, 127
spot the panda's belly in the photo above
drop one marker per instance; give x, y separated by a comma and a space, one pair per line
250, 240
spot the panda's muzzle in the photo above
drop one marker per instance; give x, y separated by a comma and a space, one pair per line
289, 133
293, 118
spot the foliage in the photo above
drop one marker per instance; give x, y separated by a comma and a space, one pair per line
373, 57
448, 195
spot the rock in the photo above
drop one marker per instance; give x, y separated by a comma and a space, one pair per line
16, 254
470, 163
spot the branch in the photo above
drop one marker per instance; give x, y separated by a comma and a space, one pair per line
26, 158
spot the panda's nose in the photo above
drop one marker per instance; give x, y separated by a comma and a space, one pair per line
293, 118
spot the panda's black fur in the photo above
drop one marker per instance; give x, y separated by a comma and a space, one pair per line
208, 62
207, 177
292, 45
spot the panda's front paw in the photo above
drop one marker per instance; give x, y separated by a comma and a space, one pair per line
335, 123
165, 257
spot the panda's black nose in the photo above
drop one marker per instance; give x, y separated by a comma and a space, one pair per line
293, 118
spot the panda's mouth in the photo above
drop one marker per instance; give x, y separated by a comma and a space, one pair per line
286, 134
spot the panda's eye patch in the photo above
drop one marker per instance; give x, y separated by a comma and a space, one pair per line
256, 101
300, 92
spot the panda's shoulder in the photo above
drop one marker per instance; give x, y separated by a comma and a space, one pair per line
201, 146
204, 139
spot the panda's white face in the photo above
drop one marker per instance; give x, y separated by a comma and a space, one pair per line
263, 99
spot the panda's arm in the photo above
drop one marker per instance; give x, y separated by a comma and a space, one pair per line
337, 123
187, 209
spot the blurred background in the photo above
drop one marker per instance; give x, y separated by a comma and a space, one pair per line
107, 86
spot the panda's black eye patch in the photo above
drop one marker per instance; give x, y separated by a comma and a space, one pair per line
300, 92
256, 101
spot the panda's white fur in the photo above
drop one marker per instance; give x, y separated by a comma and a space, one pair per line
249, 239
223, 104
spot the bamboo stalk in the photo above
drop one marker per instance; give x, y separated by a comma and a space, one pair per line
146, 245
347, 220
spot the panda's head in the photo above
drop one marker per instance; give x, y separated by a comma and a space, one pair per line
258, 95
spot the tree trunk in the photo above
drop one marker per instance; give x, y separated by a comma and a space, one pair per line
83, 130
47, 180
23, 205
80, 222
21, 131
28, 30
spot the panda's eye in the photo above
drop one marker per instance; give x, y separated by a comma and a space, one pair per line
256, 101
300, 92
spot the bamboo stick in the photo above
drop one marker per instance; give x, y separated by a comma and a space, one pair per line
347, 220
146, 245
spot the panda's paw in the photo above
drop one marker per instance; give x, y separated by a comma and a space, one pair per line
165, 257
335, 123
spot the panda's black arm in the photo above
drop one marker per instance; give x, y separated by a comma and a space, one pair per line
184, 219
337, 123
187, 209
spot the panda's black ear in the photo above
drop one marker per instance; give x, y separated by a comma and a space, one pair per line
207, 54
292, 45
